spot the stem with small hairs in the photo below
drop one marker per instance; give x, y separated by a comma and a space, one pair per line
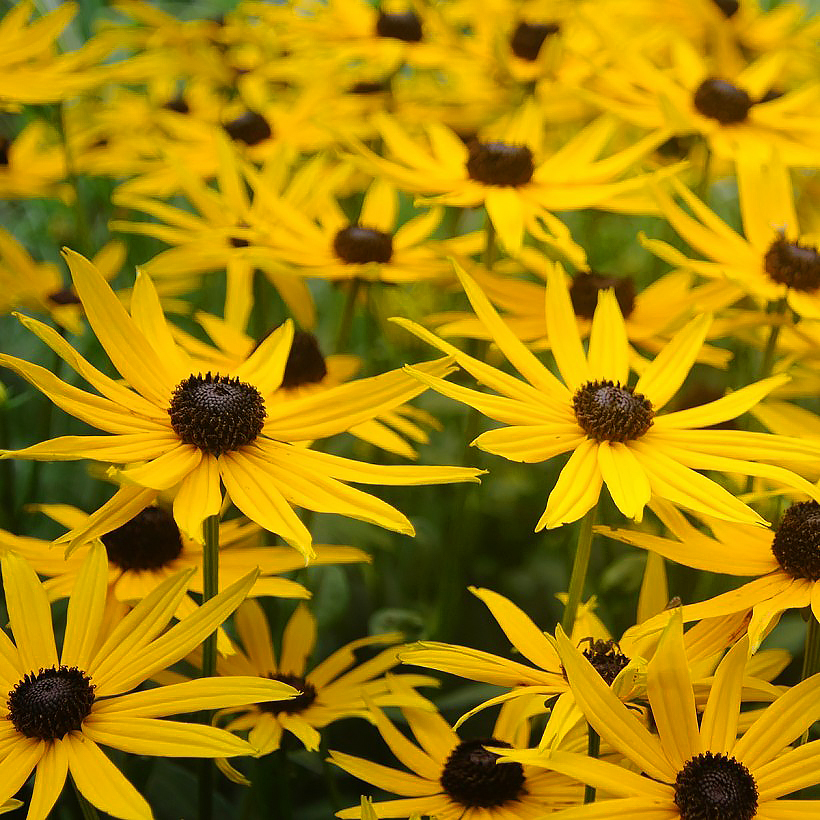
579, 571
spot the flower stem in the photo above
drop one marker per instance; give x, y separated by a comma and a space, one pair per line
88, 811
593, 749
579, 571
776, 309
811, 656
490, 248
210, 586
346, 324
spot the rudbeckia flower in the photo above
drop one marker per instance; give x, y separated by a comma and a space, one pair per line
190, 431
455, 779
512, 174
308, 372
62, 708
690, 770
544, 674
784, 563
615, 431
149, 548
329, 691
773, 260
651, 315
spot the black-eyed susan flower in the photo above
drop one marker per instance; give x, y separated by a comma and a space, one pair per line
191, 431
61, 709
455, 779
784, 562
773, 260
308, 371
690, 770
544, 673
149, 548
511, 172
614, 431
334, 688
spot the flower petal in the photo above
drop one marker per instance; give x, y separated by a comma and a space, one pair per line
52, 771
85, 609
562, 331
577, 489
624, 477
608, 344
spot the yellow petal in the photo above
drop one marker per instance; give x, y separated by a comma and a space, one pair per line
624, 477
85, 609
718, 728
29, 613
577, 489
298, 641
562, 330
49, 781
506, 212
198, 497
608, 343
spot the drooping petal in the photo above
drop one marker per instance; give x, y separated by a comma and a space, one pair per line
577, 489
198, 497
624, 477
383, 777
49, 780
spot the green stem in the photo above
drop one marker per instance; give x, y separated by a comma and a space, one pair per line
579, 571
593, 749
210, 587
346, 324
776, 309
811, 656
89, 812
702, 189
490, 247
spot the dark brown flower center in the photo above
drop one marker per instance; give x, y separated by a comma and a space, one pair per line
148, 541
720, 100
586, 285
606, 657
400, 25
305, 364
177, 104
358, 245
472, 777
250, 128
49, 704
499, 163
715, 787
607, 411
528, 38
796, 544
65, 296
292, 705
4, 151
367, 87
792, 264
216, 413
728, 7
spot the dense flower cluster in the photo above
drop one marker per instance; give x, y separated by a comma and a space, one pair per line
304, 243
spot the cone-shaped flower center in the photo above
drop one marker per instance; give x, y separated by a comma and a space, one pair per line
722, 101
528, 38
472, 777
250, 128
400, 25
586, 285
305, 364
499, 163
293, 705
606, 657
358, 245
792, 264
608, 412
49, 704
148, 541
796, 544
216, 413
715, 787
728, 7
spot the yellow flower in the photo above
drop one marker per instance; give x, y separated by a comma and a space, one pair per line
690, 770
192, 431
785, 563
149, 548
62, 708
512, 174
615, 431
308, 372
328, 692
454, 779
775, 260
